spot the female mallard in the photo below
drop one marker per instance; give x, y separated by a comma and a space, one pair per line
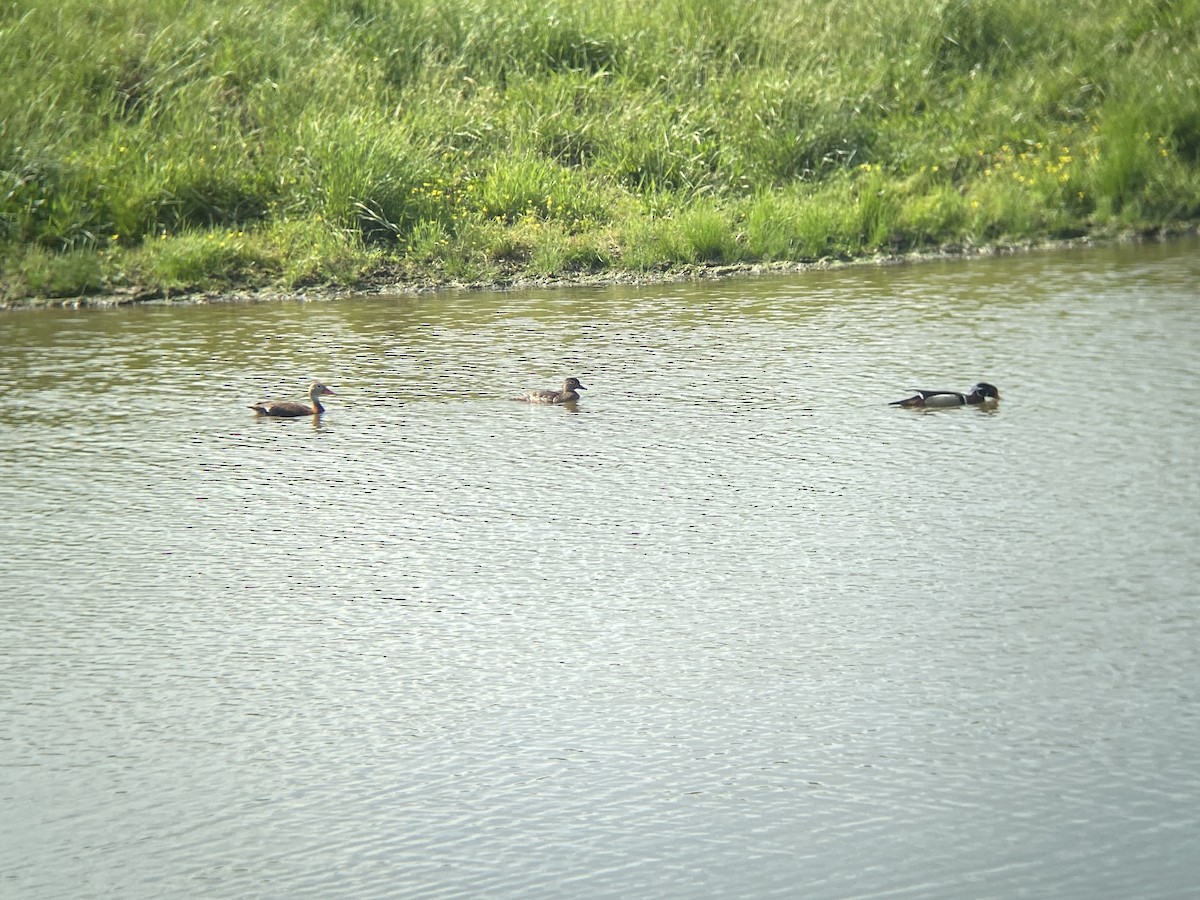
290, 408
568, 394
981, 392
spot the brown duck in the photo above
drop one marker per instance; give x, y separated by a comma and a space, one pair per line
568, 394
290, 408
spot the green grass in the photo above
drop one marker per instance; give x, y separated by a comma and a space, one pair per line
233, 145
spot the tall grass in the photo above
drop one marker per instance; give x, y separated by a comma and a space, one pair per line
229, 143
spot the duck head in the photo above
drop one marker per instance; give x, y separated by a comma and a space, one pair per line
316, 389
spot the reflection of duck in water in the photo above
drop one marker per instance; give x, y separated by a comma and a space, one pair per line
290, 408
978, 394
568, 394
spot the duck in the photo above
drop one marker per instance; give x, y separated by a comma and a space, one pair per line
978, 394
290, 408
568, 394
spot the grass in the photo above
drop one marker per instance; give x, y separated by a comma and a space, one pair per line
228, 145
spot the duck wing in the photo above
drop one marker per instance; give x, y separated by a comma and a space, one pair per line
287, 408
540, 397
926, 394
922, 397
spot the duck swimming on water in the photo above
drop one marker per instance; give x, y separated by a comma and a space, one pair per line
978, 394
568, 394
290, 408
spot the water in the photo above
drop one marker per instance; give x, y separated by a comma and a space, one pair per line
731, 627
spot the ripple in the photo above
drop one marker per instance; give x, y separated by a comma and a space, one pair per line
731, 626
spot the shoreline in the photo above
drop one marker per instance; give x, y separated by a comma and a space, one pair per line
384, 286
199, 155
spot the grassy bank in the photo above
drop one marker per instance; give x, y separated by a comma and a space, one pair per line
146, 145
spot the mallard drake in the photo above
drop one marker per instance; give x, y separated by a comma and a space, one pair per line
568, 394
290, 408
978, 394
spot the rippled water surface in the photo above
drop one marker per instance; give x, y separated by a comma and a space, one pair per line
731, 627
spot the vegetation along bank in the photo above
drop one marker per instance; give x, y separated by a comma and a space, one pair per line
152, 147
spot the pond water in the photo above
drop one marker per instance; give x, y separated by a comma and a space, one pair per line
731, 626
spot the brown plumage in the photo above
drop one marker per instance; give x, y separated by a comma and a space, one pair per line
290, 408
566, 395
